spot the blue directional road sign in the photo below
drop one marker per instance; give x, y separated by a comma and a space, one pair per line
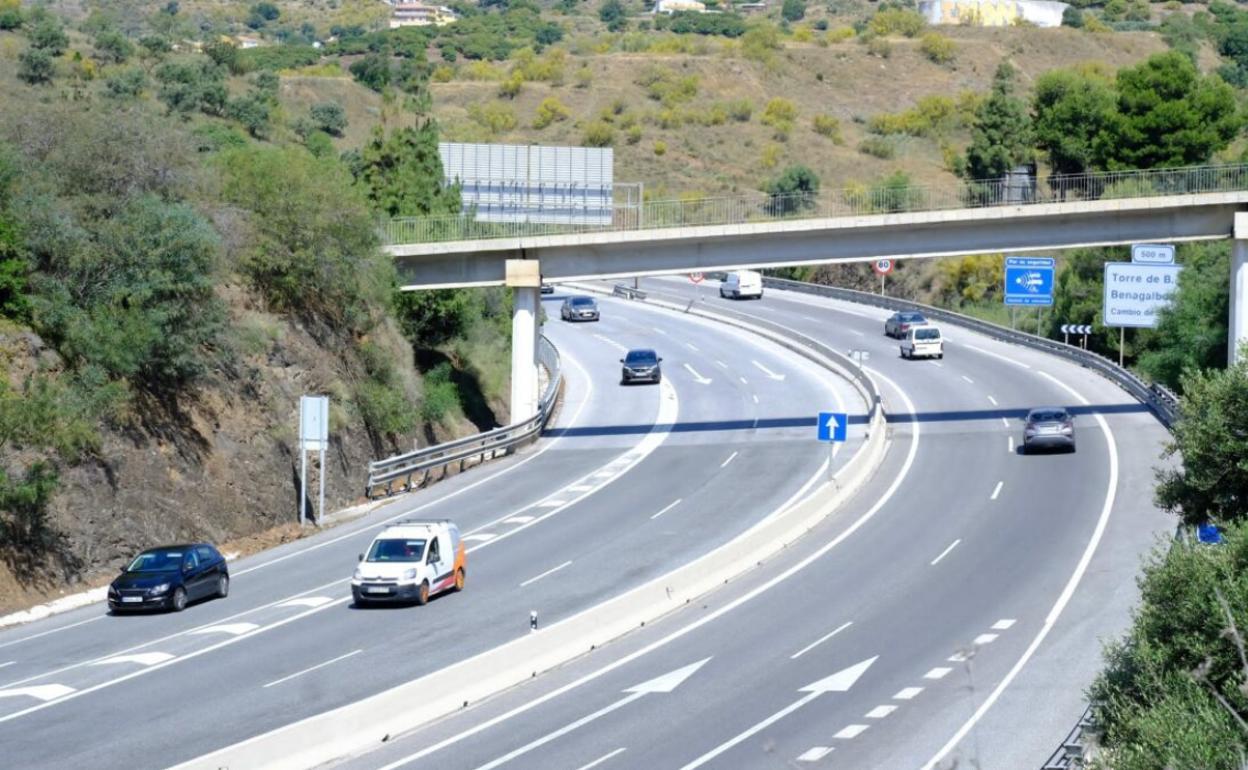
833, 426
1029, 281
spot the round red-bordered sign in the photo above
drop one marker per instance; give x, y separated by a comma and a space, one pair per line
696, 277
883, 266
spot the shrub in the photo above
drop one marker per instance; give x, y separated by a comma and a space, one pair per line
510, 88
126, 83
793, 10
1072, 17
840, 34
830, 127
112, 47
633, 134
660, 148
584, 76
598, 134
938, 48
760, 42
664, 85
740, 110
385, 409
47, 35
480, 71
780, 114
35, 66
795, 189
879, 147
895, 193
494, 117
550, 111
880, 47
897, 21
802, 34
329, 117
253, 112
770, 156
443, 73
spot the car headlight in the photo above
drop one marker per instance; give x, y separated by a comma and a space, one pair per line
357, 575
410, 574
160, 589
1067, 429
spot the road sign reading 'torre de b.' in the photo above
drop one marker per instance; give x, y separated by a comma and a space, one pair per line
1029, 281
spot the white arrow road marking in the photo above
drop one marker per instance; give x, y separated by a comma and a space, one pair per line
233, 629
43, 692
307, 601
697, 377
841, 681
661, 684
851, 731
142, 658
768, 372
815, 753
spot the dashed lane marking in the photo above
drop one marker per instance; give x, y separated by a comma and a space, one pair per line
602, 759
997, 490
307, 601
851, 731
945, 552
669, 507
815, 753
937, 673
907, 693
1003, 624
879, 712
142, 658
731, 457
983, 639
233, 629
968, 379
550, 571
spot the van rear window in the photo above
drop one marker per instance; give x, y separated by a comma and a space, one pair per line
927, 334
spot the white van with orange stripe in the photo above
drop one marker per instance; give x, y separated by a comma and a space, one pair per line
410, 561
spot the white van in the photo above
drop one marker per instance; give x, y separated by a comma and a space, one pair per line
924, 340
410, 561
743, 283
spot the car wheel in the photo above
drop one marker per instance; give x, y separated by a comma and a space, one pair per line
459, 580
362, 603
721, 293
940, 355
422, 593
223, 586
178, 603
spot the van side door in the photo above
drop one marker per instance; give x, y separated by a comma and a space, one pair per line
437, 561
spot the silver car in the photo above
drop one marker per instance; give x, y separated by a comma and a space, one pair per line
579, 309
1050, 427
900, 322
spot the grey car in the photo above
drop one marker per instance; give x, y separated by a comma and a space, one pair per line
1050, 427
641, 365
900, 322
579, 309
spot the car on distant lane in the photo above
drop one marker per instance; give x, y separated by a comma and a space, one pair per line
548, 288
169, 578
579, 309
901, 321
641, 365
1050, 427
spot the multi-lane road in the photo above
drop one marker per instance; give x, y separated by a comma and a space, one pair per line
629, 483
950, 615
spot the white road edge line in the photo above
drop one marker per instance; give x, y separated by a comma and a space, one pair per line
602, 759
820, 640
1011, 445
992, 400
997, 490
9, 663
1097, 533
669, 507
550, 571
945, 552
731, 457
310, 669
1005, 422
968, 379
996, 355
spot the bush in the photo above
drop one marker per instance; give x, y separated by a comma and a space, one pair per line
664, 85
441, 396
551, 110
897, 21
385, 409
879, 47
191, 85
34, 66
584, 76
494, 117
830, 127
598, 134
287, 56
770, 156
48, 36
660, 148
633, 134
793, 10
1072, 17
879, 147
840, 34
795, 189
938, 48
692, 23
895, 192
329, 117
510, 88
112, 47
780, 114
481, 71
253, 112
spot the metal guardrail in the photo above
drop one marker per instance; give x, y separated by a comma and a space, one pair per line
382, 474
1163, 403
628, 292
1071, 755
849, 201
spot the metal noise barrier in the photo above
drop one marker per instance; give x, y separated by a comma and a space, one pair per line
1162, 402
412, 469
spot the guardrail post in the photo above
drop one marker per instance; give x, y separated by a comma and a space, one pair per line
1238, 331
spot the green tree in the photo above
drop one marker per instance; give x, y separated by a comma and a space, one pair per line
35, 66
112, 47
127, 83
1191, 334
1001, 137
192, 85
372, 71
793, 10
48, 35
253, 112
1072, 17
401, 173
1070, 109
796, 188
613, 14
225, 55
1168, 115
329, 117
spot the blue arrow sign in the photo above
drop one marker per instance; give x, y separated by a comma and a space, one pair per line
833, 426
1029, 280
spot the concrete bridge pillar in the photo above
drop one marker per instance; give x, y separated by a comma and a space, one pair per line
525, 279
1238, 321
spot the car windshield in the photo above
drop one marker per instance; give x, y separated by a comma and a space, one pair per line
159, 560
640, 357
399, 549
1050, 415
582, 301
927, 334
912, 318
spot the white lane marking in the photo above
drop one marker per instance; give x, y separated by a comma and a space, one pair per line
7, 663
660, 331
907, 693
947, 338
310, 669
669, 507
1011, 445
755, 397
307, 601
768, 372
821, 640
1003, 624
998, 355
731, 457
861, 521
721, 363
691, 346
992, 400
937, 363
815, 753
945, 552
602, 759
521, 519
937, 673
1005, 422
550, 571
611, 342
997, 490
551, 503
479, 537
855, 331
52, 631
233, 629
879, 712
697, 377
958, 657
744, 381
43, 692
968, 379
983, 639
579, 488
1102, 522
851, 731
142, 658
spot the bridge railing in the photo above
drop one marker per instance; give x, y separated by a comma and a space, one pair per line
856, 200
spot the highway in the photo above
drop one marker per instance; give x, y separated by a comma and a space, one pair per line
628, 483
950, 615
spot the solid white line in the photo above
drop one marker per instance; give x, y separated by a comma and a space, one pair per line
1005, 422
861, 521
945, 552
998, 355
983, 639
1011, 445
997, 490
755, 397
815, 753
233, 629
820, 640
968, 379
851, 731
544, 574
731, 457
879, 712
937, 673
691, 346
52, 631
602, 759
669, 507
1003, 624
744, 381
9, 663
908, 693
313, 668
1067, 592
993, 400
561, 731
763, 725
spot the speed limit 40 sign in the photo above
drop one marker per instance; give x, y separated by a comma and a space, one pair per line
883, 266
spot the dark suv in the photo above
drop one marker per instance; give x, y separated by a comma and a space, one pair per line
641, 366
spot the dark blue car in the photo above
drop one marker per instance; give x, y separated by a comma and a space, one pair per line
169, 578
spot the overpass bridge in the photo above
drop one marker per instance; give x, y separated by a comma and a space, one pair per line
850, 225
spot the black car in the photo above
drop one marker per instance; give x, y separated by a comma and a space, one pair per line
169, 577
548, 288
579, 309
641, 366
1050, 427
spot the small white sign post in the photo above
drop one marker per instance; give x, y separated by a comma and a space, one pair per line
313, 436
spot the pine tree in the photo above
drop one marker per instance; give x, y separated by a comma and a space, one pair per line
402, 173
1001, 137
